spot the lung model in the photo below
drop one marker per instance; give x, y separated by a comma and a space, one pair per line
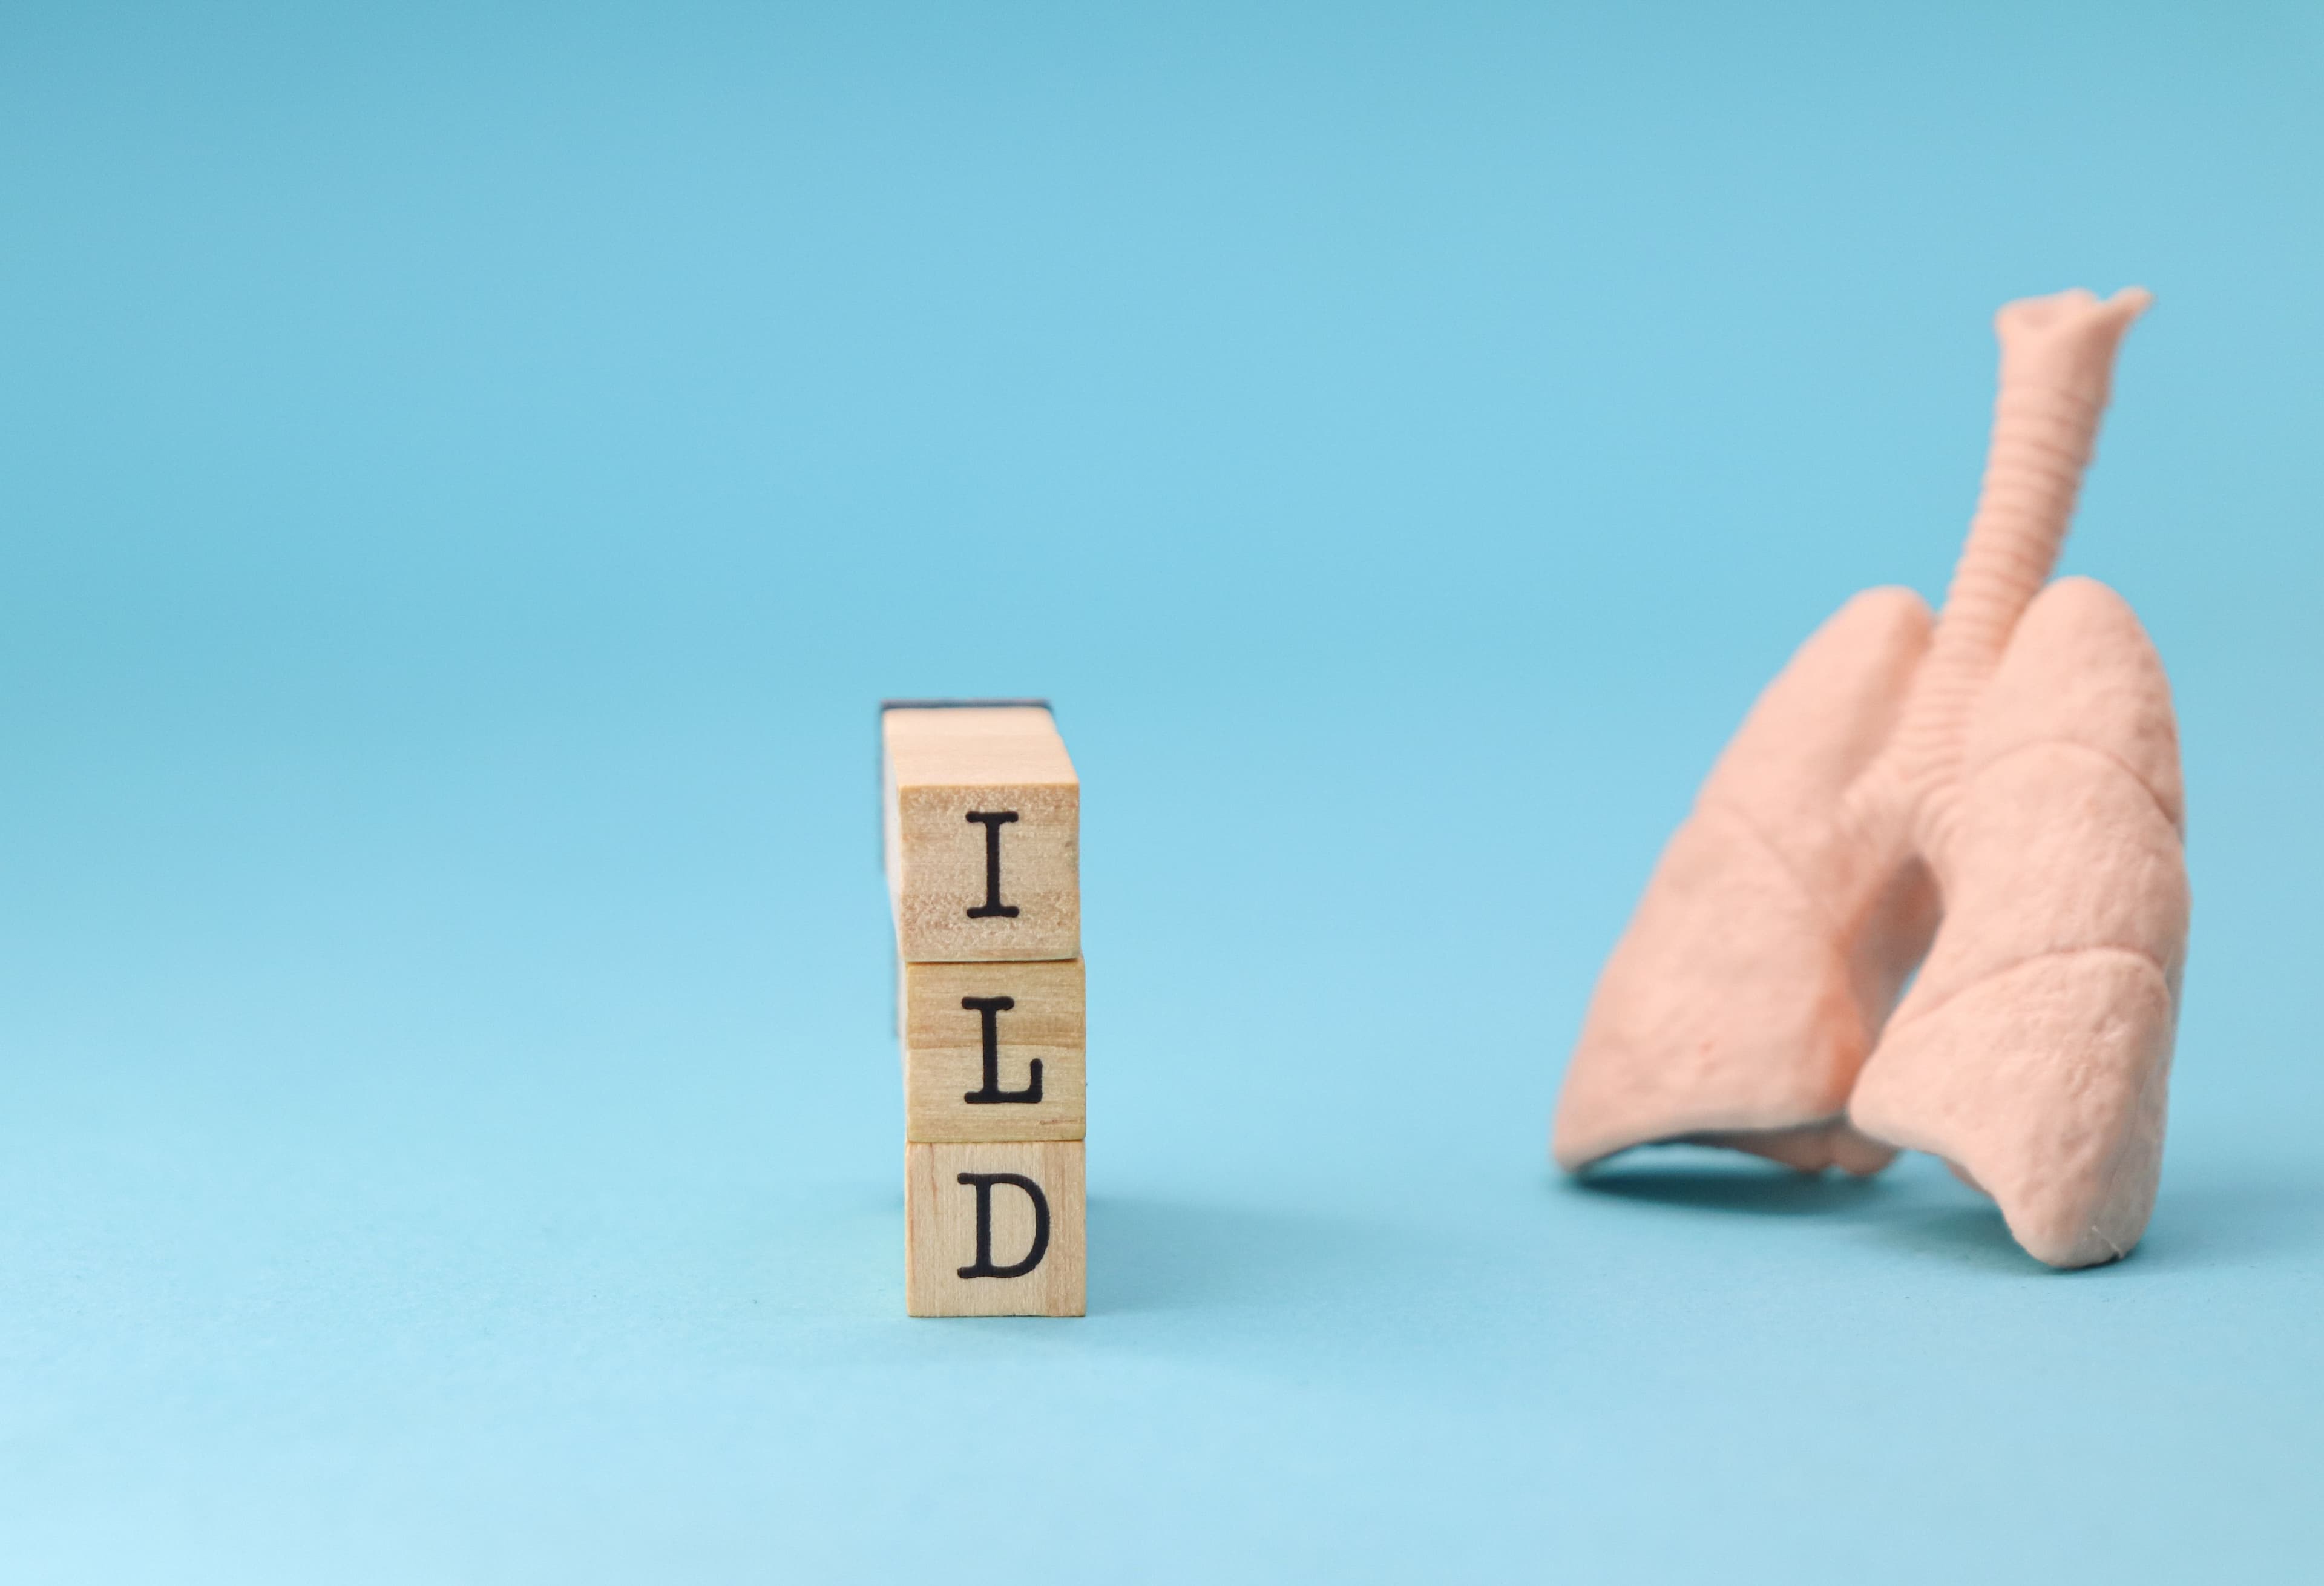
1991, 799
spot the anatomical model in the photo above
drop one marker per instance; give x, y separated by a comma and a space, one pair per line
1991, 799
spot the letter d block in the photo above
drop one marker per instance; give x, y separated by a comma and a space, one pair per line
994, 1229
982, 814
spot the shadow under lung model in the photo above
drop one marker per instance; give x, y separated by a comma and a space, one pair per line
1917, 1206
1765, 1191
1902, 1206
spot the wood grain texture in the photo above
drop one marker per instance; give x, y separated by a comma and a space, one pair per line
1004, 886
941, 1229
944, 1057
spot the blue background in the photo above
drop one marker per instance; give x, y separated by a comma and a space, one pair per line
467, 474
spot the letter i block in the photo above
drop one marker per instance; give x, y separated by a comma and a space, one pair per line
984, 833
994, 1229
993, 1051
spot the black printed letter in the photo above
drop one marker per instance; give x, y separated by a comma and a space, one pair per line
984, 1267
991, 1007
992, 907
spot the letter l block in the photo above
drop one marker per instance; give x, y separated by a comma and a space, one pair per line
993, 1051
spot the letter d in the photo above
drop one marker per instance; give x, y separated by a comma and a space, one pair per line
984, 1267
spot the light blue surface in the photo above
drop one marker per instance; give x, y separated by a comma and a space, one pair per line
464, 480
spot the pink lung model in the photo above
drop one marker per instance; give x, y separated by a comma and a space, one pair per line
1992, 798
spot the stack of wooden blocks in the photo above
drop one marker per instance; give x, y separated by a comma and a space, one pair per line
982, 816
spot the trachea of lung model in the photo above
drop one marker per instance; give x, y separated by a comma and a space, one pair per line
2017, 760
982, 815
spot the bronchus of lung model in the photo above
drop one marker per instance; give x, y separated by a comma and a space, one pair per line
1991, 797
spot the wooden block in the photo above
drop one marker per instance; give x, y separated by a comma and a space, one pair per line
983, 834
994, 1229
993, 1051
